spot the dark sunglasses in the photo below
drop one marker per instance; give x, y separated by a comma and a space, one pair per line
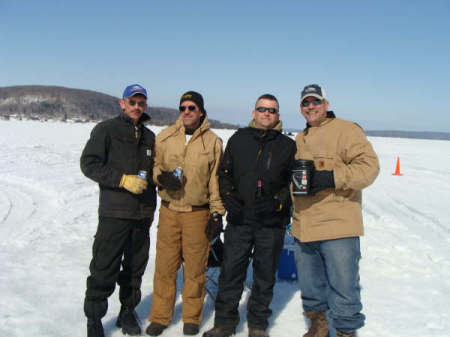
190, 108
264, 109
314, 102
141, 104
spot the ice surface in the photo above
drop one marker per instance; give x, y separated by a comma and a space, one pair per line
48, 216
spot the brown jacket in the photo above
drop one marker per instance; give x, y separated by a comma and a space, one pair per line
199, 160
340, 146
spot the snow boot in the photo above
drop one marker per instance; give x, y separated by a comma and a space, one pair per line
95, 328
319, 324
128, 321
155, 329
190, 329
220, 331
257, 333
341, 334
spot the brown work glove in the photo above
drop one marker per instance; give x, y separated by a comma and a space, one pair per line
168, 181
133, 183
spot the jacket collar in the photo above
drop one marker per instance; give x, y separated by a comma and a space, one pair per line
329, 118
204, 126
278, 127
265, 134
127, 119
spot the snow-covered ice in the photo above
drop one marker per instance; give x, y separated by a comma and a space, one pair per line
48, 216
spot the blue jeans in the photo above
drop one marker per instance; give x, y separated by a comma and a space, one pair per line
328, 276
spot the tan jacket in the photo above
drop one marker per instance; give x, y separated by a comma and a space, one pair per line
340, 146
199, 160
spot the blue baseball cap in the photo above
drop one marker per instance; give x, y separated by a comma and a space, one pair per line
134, 89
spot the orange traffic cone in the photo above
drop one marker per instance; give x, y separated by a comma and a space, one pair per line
397, 168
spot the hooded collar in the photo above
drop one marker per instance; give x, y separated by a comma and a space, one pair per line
262, 134
203, 127
278, 127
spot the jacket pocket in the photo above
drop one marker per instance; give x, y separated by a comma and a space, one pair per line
323, 162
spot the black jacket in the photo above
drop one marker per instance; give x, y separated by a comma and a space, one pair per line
251, 155
117, 147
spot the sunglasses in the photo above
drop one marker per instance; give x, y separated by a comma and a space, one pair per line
314, 102
141, 104
264, 109
190, 108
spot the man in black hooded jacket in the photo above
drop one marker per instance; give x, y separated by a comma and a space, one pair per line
254, 177
119, 157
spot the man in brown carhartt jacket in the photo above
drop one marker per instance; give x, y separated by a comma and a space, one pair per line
190, 214
327, 224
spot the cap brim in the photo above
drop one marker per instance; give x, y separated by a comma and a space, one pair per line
311, 95
136, 93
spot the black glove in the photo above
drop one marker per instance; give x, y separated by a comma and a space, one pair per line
168, 181
214, 226
267, 206
321, 180
232, 204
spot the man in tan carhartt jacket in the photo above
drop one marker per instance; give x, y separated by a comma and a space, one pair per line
328, 223
190, 214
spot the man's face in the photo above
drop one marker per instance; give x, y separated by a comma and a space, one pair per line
314, 114
265, 120
191, 115
134, 106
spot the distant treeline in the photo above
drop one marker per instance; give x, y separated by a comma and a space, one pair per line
43, 103
410, 134
39, 102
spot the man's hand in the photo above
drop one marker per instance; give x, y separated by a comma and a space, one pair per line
214, 226
168, 181
321, 180
267, 206
133, 183
232, 204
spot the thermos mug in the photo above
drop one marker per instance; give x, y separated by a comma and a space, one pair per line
301, 177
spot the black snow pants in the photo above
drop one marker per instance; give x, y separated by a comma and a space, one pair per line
242, 242
118, 242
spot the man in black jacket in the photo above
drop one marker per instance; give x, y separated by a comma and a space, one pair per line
119, 157
254, 177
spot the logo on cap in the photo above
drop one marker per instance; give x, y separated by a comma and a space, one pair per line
313, 90
134, 89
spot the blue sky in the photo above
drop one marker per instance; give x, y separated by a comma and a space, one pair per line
384, 64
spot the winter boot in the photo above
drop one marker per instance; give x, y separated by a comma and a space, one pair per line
127, 320
341, 334
95, 328
155, 329
190, 329
319, 324
220, 331
257, 333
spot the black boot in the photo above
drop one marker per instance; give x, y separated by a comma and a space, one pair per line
127, 320
220, 331
190, 329
155, 329
95, 328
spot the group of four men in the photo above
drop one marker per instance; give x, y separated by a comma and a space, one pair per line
250, 181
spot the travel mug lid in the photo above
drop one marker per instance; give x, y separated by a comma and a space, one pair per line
303, 163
